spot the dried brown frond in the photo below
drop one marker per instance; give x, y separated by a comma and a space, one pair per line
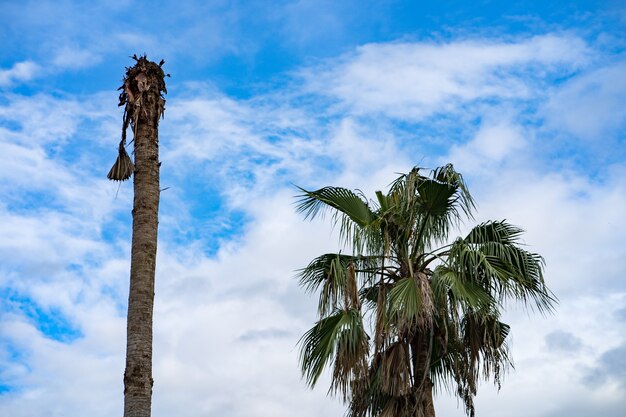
123, 167
352, 294
396, 370
142, 90
428, 305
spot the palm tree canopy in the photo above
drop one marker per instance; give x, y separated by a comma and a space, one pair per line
411, 308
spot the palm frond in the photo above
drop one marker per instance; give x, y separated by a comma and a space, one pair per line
395, 366
352, 350
484, 343
423, 209
329, 274
437, 208
340, 335
448, 175
367, 397
505, 270
314, 203
123, 167
477, 349
436, 198
411, 303
463, 293
350, 211
407, 182
494, 231
405, 299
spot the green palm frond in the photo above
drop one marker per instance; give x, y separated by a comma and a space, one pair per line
350, 211
373, 292
462, 292
442, 370
505, 270
448, 175
405, 299
477, 350
411, 303
424, 209
485, 348
314, 203
329, 274
437, 208
494, 231
520, 276
340, 335
352, 351
436, 198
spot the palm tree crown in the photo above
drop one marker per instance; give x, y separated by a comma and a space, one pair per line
411, 310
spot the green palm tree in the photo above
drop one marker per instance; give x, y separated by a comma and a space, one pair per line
411, 310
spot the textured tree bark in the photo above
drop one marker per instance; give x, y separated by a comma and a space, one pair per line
144, 106
422, 384
428, 405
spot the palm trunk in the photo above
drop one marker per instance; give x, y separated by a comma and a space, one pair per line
144, 105
428, 405
422, 385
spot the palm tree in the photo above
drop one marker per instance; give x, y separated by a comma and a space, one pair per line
144, 105
411, 310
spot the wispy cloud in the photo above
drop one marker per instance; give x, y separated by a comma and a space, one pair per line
417, 80
589, 106
227, 319
75, 57
19, 72
559, 340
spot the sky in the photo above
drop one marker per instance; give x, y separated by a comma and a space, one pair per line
526, 98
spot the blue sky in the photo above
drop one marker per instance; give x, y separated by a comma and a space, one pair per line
527, 99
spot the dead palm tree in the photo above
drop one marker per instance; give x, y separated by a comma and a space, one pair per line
144, 105
434, 306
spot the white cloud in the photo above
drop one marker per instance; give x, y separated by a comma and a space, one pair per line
415, 80
590, 106
19, 72
576, 223
226, 325
73, 58
491, 145
43, 119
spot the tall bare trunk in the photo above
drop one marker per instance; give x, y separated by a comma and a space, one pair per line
141, 94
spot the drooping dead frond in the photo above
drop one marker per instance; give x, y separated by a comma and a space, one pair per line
141, 93
352, 292
123, 167
396, 370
